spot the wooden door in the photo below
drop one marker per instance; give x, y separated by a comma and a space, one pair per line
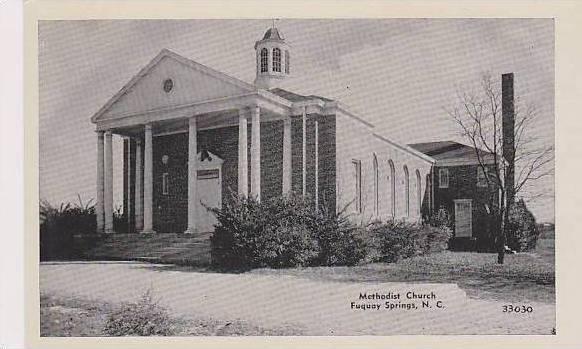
463, 218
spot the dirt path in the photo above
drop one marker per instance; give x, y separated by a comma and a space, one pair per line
315, 307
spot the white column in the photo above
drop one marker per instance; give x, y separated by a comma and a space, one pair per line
243, 165
304, 157
138, 186
99, 207
192, 174
108, 194
287, 156
148, 183
316, 164
256, 153
128, 214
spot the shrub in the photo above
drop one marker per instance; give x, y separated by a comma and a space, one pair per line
289, 232
441, 218
396, 240
282, 232
340, 241
58, 225
272, 233
119, 220
289, 246
142, 318
522, 230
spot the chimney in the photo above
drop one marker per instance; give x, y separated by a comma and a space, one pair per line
508, 116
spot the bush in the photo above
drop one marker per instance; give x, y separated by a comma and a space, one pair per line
397, 240
142, 318
289, 232
272, 233
59, 225
340, 241
441, 219
119, 221
282, 232
522, 230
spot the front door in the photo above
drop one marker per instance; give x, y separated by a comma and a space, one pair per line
209, 195
463, 218
209, 190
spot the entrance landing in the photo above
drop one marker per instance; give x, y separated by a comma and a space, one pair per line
174, 248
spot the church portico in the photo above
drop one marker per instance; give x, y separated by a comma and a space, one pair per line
152, 144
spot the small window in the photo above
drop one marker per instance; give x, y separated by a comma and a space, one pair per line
443, 178
165, 183
277, 60
264, 60
358, 179
287, 62
481, 177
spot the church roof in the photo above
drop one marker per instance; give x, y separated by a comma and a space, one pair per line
449, 153
294, 97
273, 34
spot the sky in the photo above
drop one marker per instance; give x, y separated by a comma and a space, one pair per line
399, 74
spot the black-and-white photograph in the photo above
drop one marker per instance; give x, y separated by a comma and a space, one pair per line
296, 177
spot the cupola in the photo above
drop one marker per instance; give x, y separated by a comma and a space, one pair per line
273, 59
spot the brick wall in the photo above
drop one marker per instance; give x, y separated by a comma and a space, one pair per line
170, 210
327, 155
463, 185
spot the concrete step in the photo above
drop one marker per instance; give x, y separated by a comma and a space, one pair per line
159, 248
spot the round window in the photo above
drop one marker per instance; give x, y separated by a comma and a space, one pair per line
168, 85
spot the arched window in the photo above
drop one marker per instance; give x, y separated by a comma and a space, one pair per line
418, 192
392, 188
376, 198
407, 191
264, 60
277, 60
287, 61
358, 180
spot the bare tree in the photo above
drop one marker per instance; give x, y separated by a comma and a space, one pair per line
516, 163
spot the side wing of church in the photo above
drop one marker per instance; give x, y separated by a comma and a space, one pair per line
193, 136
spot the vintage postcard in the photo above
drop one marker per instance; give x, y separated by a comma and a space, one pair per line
286, 176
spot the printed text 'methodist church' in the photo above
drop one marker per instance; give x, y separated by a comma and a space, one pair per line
194, 135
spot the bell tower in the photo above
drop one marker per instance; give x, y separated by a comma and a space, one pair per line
273, 59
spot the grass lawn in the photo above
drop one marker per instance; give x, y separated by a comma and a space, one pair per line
523, 277
74, 317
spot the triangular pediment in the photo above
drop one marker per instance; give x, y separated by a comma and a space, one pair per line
170, 80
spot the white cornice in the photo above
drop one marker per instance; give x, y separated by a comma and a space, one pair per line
259, 98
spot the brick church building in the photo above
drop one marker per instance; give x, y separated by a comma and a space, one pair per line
194, 135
